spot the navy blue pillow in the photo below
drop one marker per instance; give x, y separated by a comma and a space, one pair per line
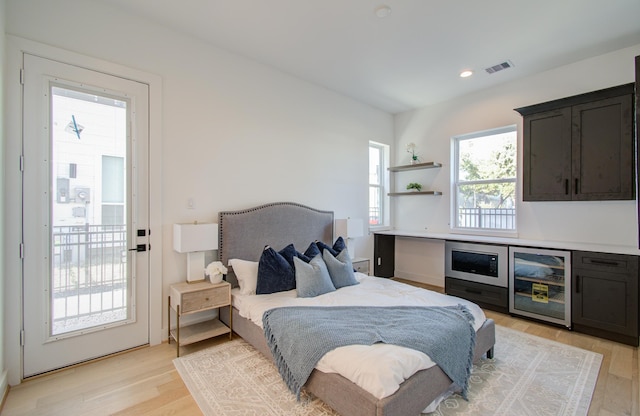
338, 246
312, 251
289, 252
275, 274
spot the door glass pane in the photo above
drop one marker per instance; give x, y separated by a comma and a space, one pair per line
539, 284
89, 280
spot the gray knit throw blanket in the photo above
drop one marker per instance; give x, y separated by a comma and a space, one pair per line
300, 336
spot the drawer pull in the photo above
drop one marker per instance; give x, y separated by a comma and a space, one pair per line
474, 291
206, 299
604, 262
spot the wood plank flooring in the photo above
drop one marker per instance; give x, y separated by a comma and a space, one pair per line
145, 381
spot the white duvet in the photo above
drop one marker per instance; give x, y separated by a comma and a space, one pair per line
379, 368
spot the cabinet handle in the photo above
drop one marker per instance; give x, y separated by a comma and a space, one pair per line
476, 292
576, 187
577, 283
566, 186
604, 262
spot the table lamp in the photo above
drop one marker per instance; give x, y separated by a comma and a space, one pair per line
349, 229
194, 239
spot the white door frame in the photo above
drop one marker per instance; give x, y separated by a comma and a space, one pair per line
12, 301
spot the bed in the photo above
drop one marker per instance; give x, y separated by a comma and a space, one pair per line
243, 235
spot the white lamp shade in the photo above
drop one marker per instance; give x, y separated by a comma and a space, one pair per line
349, 228
188, 238
195, 239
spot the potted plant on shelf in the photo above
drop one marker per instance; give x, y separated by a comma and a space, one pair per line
414, 186
411, 148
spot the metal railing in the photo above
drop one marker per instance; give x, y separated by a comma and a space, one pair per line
89, 281
492, 218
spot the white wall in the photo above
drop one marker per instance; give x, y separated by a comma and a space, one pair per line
235, 133
431, 128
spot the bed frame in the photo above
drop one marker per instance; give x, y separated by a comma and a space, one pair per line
243, 234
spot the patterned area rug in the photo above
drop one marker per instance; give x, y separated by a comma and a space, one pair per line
528, 376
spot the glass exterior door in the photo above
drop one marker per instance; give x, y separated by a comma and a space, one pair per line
540, 284
85, 198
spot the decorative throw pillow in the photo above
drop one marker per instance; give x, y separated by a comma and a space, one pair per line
312, 251
340, 269
274, 273
338, 246
289, 252
312, 279
247, 274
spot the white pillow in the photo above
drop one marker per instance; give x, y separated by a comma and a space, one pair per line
247, 275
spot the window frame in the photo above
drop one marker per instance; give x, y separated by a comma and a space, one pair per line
382, 186
456, 183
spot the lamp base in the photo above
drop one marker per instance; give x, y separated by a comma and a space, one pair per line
195, 267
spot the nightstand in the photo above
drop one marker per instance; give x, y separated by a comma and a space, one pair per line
188, 298
361, 265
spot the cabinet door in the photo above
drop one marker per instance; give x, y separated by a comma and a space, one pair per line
605, 292
605, 301
384, 251
603, 149
547, 156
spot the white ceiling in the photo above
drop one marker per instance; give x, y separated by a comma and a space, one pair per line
411, 58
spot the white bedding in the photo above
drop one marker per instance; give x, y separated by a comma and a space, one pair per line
380, 368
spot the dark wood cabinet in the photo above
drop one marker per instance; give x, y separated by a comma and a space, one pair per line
580, 148
637, 132
486, 296
605, 296
384, 251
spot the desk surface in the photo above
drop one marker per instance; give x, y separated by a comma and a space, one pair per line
565, 245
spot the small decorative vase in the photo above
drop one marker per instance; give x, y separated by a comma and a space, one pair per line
216, 278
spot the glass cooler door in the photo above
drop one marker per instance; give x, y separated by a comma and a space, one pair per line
540, 284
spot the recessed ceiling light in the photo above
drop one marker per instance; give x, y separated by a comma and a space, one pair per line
383, 11
466, 73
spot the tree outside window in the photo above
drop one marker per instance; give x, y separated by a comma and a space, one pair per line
485, 180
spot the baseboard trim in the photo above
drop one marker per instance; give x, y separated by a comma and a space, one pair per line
428, 280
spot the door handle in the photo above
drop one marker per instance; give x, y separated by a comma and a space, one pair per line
140, 247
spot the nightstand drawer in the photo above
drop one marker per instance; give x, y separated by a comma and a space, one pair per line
205, 299
361, 265
193, 297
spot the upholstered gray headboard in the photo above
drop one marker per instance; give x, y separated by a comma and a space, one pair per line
243, 234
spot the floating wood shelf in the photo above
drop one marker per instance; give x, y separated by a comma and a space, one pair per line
415, 193
427, 165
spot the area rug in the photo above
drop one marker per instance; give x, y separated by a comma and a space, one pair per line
528, 376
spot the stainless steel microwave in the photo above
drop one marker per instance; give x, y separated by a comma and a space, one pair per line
480, 263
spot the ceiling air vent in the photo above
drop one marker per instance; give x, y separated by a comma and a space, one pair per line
499, 67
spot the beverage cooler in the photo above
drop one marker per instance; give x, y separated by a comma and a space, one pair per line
540, 284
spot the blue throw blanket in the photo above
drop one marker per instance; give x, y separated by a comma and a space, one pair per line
300, 336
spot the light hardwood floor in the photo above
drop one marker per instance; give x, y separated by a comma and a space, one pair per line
145, 382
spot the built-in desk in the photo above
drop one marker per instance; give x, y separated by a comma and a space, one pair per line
604, 279
561, 245
384, 246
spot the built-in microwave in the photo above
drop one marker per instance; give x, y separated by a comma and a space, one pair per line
480, 263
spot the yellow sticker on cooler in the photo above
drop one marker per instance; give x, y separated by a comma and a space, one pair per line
540, 293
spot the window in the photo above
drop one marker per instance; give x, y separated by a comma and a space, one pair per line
485, 180
378, 185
